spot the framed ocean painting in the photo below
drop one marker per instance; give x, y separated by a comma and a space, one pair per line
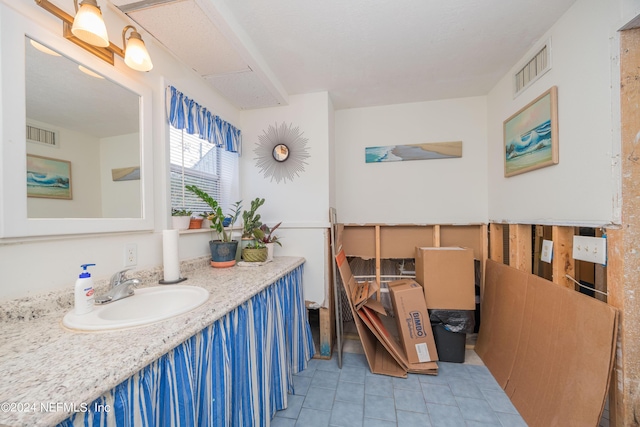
531, 135
425, 151
48, 178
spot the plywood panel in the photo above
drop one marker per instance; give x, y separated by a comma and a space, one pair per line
467, 236
502, 317
359, 241
400, 241
551, 348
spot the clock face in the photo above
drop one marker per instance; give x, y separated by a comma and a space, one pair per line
280, 152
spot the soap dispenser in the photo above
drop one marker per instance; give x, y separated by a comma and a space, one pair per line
84, 298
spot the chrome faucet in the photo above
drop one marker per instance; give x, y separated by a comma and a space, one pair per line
120, 287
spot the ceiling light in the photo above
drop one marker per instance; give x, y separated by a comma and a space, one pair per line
88, 24
135, 52
89, 72
42, 48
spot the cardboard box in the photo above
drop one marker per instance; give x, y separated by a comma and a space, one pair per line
447, 276
412, 319
381, 348
552, 349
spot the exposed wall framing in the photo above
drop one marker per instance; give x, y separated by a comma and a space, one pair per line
624, 264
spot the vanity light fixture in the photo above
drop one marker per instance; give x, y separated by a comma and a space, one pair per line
85, 35
135, 52
88, 24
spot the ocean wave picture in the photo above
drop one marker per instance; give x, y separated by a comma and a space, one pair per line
48, 178
531, 136
426, 151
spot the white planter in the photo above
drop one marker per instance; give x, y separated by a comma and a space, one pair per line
206, 223
180, 222
269, 251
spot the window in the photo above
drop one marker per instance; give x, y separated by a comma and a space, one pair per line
194, 161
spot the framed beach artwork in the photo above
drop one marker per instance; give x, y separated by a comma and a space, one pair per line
48, 178
425, 151
531, 135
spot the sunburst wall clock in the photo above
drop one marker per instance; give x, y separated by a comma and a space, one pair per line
281, 152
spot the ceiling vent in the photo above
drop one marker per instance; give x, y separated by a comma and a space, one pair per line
42, 136
534, 68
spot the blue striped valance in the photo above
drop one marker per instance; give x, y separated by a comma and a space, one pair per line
185, 113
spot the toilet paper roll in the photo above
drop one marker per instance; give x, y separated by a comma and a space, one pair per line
170, 259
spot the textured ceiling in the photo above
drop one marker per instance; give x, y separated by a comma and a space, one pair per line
59, 94
362, 52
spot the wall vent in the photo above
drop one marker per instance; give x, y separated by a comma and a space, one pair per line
534, 68
43, 136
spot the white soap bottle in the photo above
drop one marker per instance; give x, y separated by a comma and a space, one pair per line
84, 298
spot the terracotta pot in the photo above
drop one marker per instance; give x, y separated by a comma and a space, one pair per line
195, 223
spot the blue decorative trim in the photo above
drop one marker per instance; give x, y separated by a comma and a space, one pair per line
185, 113
236, 372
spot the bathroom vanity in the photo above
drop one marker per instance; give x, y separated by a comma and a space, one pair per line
228, 362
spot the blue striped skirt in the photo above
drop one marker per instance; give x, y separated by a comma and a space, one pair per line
236, 372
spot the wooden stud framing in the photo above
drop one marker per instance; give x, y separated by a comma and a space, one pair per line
326, 326
378, 262
327, 314
520, 246
563, 262
624, 264
600, 281
496, 246
484, 229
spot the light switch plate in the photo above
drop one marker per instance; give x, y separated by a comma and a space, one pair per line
590, 249
547, 251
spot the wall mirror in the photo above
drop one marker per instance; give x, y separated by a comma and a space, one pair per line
76, 138
83, 140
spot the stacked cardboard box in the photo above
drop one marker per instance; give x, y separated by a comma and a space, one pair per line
448, 277
377, 332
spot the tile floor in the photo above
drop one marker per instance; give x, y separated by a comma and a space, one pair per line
460, 395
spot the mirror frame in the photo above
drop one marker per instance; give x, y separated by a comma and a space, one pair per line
14, 28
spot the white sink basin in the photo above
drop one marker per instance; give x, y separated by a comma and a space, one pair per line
146, 306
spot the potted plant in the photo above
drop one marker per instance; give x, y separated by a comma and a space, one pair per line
180, 219
255, 252
269, 239
206, 222
195, 222
251, 222
223, 251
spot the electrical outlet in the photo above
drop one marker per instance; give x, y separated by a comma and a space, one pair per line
590, 249
547, 251
130, 255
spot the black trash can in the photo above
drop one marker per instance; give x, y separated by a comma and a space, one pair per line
450, 329
450, 345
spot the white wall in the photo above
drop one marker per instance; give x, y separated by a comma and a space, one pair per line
59, 258
302, 204
120, 199
420, 191
583, 187
83, 151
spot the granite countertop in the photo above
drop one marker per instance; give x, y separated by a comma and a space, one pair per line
44, 363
